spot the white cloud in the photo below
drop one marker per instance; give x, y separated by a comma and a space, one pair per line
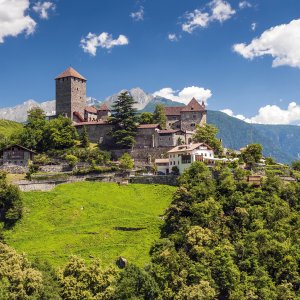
219, 10
244, 4
230, 113
282, 42
91, 42
272, 114
173, 37
185, 95
43, 8
138, 15
14, 18
253, 26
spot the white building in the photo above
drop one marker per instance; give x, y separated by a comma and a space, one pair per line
184, 155
162, 165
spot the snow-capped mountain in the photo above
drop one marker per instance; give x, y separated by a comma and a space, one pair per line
137, 94
18, 113
145, 102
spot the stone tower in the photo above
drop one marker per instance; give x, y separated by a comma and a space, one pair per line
70, 93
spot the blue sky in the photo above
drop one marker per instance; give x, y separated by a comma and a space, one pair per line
158, 44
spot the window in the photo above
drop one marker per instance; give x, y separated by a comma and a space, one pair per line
186, 159
193, 125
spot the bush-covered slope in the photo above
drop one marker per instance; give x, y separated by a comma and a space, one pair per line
91, 220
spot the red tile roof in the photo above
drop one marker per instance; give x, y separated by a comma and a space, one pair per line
194, 105
70, 72
168, 131
173, 110
91, 109
78, 115
103, 107
99, 122
143, 126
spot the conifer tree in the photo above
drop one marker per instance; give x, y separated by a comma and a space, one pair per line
84, 139
124, 120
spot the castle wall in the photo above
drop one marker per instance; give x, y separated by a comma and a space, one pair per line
97, 133
189, 120
146, 138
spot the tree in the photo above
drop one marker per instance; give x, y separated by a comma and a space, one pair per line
135, 283
124, 121
18, 280
32, 135
59, 134
146, 118
296, 165
81, 281
126, 162
84, 138
207, 134
252, 154
10, 202
159, 116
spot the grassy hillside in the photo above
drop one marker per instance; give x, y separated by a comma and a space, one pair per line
9, 127
91, 219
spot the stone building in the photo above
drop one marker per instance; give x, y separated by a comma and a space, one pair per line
71, 102
70, 93
186, 117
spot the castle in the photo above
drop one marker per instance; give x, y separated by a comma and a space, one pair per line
71, 102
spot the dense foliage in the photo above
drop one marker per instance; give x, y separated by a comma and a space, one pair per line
124, 121
252, 155
10, 202
18, 279
208, 134
159, 116
43, 135
228, 240
146, 118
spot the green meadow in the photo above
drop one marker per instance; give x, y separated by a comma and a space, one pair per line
92, 220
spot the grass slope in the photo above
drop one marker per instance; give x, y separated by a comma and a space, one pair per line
91, 219
8, 128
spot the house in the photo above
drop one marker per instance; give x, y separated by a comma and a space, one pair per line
187, 117
17, 155
183, 156
162, 166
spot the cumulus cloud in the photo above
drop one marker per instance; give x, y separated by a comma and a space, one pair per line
230, 113
43, 8
91, 42
244, 4
14, 19
272, 114
138, 15
216, 10
185, 95
282, 42
173, 37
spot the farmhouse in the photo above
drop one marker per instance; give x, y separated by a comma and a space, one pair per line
183, 156
17, 155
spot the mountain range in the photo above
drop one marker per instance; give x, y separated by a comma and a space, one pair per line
279, 141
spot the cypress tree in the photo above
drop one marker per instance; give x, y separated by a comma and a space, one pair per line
124, 120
